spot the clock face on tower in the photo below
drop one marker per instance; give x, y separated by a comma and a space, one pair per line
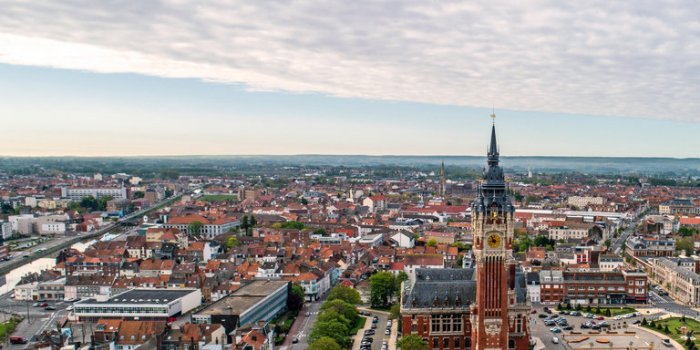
493, 240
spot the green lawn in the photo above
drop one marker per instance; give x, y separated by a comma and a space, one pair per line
674, 324
218, 197
6, 328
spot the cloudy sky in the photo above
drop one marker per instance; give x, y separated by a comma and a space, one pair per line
609, 78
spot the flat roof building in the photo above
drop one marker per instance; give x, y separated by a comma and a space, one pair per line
140, 304
257, 301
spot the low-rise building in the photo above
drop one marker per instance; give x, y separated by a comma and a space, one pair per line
139, 304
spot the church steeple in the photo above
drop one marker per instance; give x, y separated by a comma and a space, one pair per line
493, 147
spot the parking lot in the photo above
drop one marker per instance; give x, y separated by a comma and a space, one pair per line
619, 331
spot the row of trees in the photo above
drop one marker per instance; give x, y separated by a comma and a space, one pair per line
523, 242
336, 321
90, 204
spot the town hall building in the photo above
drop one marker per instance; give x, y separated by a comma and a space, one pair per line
480, 308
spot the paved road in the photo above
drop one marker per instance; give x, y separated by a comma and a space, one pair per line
301, 331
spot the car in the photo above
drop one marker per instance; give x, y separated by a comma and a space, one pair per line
548, 311
387, 332
18, 340
542, 316
307, 314
667, 342
295, 340
555, 340
637, 322
36, 304
600, 318
50, 308
595, 327
374, 326
555, 330
568, 328
575, 313
585, 326
44, 304
589, 315
70, 308
549, 323
534, 311
369, 332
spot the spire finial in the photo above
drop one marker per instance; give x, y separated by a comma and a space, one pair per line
493, 115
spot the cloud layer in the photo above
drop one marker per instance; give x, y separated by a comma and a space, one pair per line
621, 58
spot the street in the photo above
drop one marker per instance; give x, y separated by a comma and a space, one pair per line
302, 326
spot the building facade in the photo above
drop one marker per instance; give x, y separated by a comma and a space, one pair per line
484, 307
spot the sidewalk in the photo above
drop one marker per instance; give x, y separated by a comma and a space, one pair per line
661, 336
357, 339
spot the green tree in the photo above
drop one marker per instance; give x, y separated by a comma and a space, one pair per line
231, 242
295, 299
395, 311
333, 329
244, 223
195, 228
320, 232
400, 277
687, 231
89, 203
333, 315
253, 221
325, 343
431, 243
412, 342
382, 287
102, 202
304, 201
349, 311
685, 245
344, 293
138, 194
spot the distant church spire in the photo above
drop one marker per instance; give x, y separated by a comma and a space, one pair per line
493, 147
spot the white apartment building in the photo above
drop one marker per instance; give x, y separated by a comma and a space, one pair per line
77, 193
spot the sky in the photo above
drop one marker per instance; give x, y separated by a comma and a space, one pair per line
593, 78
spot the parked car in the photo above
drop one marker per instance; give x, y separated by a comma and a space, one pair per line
295, 340
600, 318
667, 342
637, 322
387, 332
542, 316
50, 308
585, 326
44, 304
18, 340
555, 340
555, 330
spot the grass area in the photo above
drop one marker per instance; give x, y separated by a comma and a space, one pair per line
6, 328
672, 326
218, 197
602, 311
360, 324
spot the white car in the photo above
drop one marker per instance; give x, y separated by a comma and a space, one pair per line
555, 340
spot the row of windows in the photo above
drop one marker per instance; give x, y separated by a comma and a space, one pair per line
446, 323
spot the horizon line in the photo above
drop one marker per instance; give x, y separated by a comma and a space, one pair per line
334, 155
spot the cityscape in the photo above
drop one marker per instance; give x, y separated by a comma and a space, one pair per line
335, 175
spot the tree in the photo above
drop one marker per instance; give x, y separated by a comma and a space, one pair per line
333, 315
320, 232
687, 231
344, 293
349, 311
102, 202
333, 329
138, 194
89, 203
244, 223
400, 277
382, 286
231, 242
325, 343
644, 322
431, 243
195, 228
295, 299
412, 342
304, 201
395, 311
686, 245
253, 221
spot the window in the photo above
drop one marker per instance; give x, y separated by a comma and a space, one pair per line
456, 343
457, 323
435, 324
436, 344
446, 343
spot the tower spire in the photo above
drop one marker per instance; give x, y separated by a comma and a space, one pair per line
493, 147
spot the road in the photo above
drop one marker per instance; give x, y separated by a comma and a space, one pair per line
302, 326
36, 319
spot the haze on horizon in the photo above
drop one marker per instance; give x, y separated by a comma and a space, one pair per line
380, 78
